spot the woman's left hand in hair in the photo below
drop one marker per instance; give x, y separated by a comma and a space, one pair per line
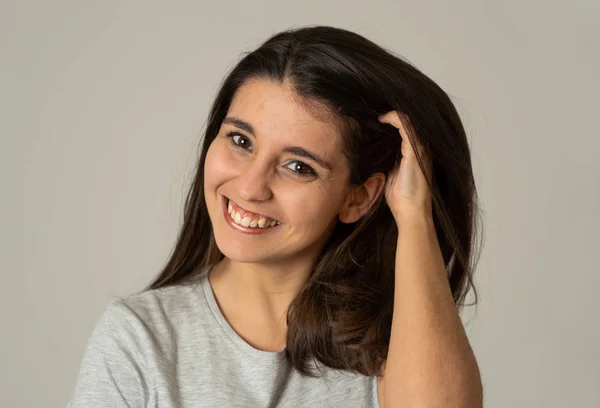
407, 192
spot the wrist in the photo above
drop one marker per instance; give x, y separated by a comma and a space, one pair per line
420, 216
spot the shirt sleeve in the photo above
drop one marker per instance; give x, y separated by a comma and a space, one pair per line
113, 368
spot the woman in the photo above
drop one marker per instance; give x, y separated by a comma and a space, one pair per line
311, 268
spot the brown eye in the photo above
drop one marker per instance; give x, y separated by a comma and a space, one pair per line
300, 168
241, 141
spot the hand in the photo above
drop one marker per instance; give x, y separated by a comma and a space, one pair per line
406, 191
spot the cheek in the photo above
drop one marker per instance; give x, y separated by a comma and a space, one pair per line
312, 208
219, 166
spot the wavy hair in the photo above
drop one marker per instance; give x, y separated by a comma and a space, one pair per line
342, 315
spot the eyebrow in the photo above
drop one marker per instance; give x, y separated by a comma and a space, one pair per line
295, 150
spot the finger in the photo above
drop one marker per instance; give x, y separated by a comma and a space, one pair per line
402, 123
394, 119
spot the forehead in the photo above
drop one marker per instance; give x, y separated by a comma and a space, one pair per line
276, 113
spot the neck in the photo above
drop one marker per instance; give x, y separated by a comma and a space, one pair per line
257, 285
255, 298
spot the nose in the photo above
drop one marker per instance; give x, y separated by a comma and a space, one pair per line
253, 184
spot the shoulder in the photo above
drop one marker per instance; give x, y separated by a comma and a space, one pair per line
151, 310
155, 314
141, 328
157, 304
134, 337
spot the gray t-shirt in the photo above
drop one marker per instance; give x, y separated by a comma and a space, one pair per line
172, 347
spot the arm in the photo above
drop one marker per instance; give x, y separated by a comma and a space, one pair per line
430, 362
112, 372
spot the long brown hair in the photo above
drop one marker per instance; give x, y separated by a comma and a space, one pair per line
342, 316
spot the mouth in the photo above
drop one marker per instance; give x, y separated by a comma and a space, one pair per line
247, 221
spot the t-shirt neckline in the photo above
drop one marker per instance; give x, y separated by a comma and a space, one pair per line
266, 357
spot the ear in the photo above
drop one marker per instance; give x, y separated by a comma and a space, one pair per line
360, 198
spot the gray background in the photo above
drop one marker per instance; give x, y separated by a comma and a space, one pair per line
102, 104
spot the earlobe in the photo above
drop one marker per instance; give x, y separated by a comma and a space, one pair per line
361, 198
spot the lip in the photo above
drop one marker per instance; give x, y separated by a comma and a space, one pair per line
241, 228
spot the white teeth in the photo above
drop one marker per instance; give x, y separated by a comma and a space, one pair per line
245, 222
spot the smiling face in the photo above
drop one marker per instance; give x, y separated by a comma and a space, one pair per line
276, 177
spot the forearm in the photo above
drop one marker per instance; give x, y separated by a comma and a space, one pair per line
430, 362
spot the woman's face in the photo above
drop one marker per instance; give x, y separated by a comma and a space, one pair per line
273, 165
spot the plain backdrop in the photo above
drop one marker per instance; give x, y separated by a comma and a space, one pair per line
102, 105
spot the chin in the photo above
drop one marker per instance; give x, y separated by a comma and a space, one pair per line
239, 249
240, 253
